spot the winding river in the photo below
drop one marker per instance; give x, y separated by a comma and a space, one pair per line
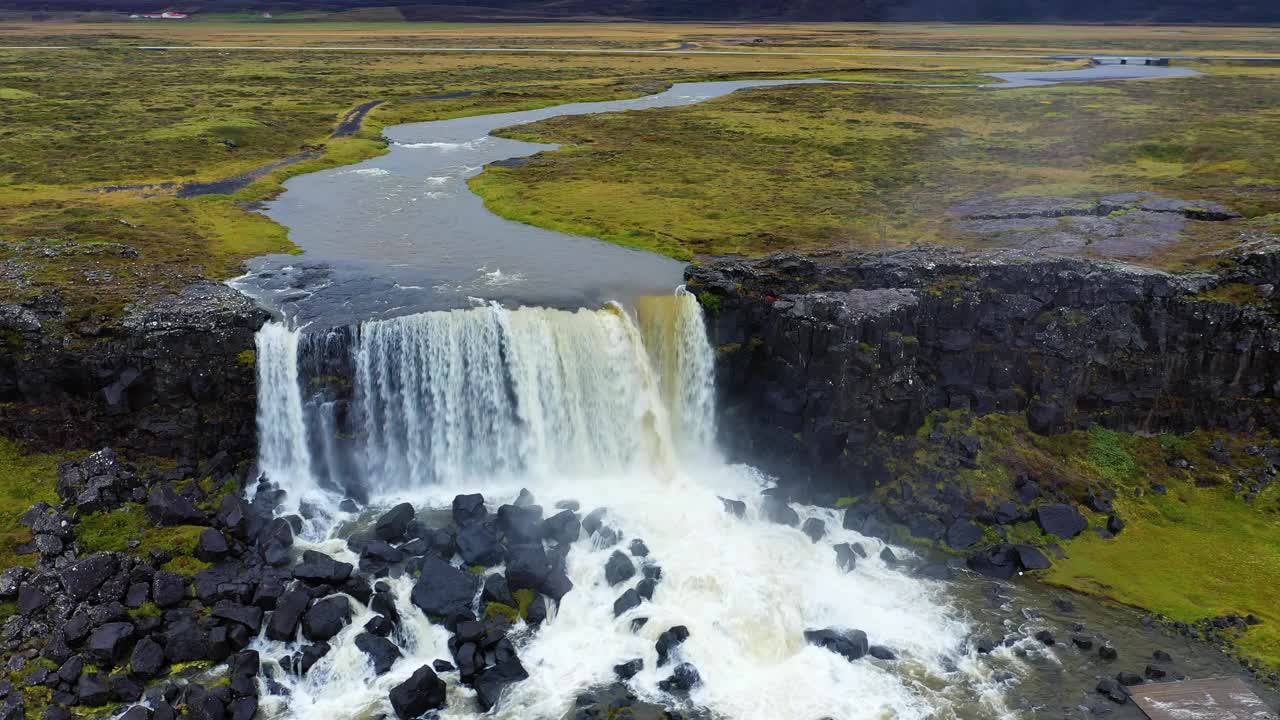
405, 370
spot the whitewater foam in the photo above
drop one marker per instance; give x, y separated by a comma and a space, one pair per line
617, 411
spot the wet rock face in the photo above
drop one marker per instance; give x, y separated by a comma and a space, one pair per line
818, 356
168, 380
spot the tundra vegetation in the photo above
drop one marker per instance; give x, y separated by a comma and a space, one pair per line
97, 140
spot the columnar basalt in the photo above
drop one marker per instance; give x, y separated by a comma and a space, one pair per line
821, 358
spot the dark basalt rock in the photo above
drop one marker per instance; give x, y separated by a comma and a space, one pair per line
283, 623
638, 548
851, 644
776, 510
83, 578
628, 669
629, 600
684, 678
963, 534
382, 652
881, 652
421, 693
816, 529
668, 641
468, 509
393, 524
109, 642
619, 568
846, 558
825, 354
212, 546
326, 618
563, 527
478, 544
444, 591
490, 682
167, 507
1063, 521
520, 524
737, 508
527, 566
164, 380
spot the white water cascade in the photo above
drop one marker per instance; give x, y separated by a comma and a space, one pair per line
612, 412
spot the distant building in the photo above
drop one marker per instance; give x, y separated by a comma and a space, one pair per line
1110, 60
166, 15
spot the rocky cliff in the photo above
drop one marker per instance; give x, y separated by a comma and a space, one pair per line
174, 378
823, 358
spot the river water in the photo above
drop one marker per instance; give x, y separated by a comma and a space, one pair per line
420, 377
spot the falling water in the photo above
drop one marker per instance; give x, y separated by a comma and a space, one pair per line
283, 453
612, 411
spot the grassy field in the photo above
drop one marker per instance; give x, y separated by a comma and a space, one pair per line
1200, 551
105, 115
856, 166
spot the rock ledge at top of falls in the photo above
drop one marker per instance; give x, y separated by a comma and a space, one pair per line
820, 356
174, 377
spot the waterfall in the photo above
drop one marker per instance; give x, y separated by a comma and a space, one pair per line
610, 410
487, 393
283, 452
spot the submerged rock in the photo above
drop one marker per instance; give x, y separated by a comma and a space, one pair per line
851, 644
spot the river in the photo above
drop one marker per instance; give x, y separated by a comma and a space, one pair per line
406, 370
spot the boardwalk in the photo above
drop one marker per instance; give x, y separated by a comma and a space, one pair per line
1210, 699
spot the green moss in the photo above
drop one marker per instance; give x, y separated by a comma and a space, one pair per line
1108, 452
247, 358
499, 610
25, 479
710, 301
147, 609
524, 598
112, 531
1241, 294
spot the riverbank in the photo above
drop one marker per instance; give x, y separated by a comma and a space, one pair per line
1120, 420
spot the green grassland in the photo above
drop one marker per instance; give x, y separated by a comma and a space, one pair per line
812, 167
1200, 551
79, 122
25, 479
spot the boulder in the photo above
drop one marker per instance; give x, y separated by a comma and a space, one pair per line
318, 568
212, 546
420, 694
816, 529
963, 534
668, 641
444, 591
326, 618
311, 654
490, 683
248, 616
82, 579
167, 507
283, 623
594, 520
646, 587
147, 659
776, 510
93, 689
683, 679
520, 524
629, 600
1060, 520
109, 643
737, 508
1113, 690
382, 652
563, 527
31, 600
881, 652
496, 590
527, 567
184, 641
393, 523
1129, 679
1031, 558
468, 509
851, 644
628, 669
478, 544
619, 568
556, 585
846, 558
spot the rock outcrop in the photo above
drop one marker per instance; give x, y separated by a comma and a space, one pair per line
822, 357
174, 378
